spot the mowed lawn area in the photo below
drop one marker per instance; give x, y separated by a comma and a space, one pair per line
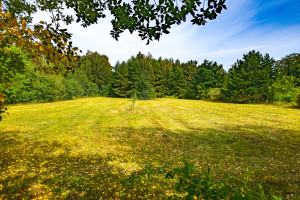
84, 148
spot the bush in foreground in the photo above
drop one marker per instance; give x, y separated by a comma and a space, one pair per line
189, 183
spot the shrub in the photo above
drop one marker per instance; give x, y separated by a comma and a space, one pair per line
215, 94
190, 183
17, 89
285, 89
47, 88
286, 96
108, 91
73, 88
144, 89
59, 88
91, 89
190, 93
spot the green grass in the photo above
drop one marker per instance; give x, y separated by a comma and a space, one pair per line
84, 148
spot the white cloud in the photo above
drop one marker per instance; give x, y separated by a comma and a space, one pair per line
230, 51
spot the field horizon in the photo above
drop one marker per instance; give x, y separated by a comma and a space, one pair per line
83, 148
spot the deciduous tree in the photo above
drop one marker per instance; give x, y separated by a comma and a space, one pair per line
97, 68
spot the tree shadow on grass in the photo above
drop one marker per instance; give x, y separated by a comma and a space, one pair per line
33, 168
43, 169
259, 153
237, 140
293, 107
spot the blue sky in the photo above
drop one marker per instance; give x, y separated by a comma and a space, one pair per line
267, 26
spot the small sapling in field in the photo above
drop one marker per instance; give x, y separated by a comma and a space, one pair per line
133, 100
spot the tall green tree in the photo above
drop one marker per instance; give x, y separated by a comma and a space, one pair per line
209, 75
97, 68
167, 70
11, 62
134, 77
190, 71
121, 84
158, 80
251, 78
180, 82
289, 66
287, 84
90, 88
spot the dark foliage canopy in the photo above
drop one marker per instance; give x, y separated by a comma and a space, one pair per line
150, 18
250, 79
289, 66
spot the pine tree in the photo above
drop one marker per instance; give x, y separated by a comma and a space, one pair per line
251, 78
121, 84
209, 75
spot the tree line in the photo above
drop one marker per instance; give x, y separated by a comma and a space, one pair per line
52, 42
255, 78
27, 83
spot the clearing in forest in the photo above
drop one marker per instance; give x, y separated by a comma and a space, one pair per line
84, 148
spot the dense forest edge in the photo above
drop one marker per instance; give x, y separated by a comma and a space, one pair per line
255, 78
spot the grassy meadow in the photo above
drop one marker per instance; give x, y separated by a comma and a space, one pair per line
85, 148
